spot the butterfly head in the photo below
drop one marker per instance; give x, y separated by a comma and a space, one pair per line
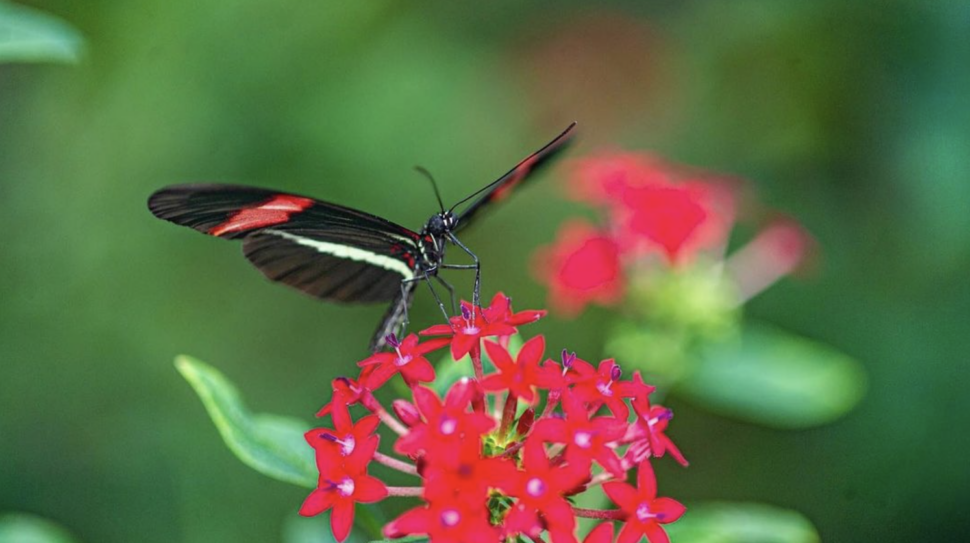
441, 223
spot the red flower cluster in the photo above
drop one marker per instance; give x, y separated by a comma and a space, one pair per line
501, 454
653, 208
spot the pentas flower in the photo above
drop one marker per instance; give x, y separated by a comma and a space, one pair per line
445, 522
351, 446
604, 387
407, 358
645, 511
664, 216
541, 491
487, 473
523, 376
581, 267
345, 391
653, 208
602, 179
449, 429
602, 533
586, 439
341, 491
653, 420
467, 329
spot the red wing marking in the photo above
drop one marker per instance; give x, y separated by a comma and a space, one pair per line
276, 211
521, 171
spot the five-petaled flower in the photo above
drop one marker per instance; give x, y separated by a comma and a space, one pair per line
586, 439
522, 376
645, 511
407, 358
582, 266
340, 491
541, 489
467, 330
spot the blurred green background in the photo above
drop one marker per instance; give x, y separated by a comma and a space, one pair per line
852, 117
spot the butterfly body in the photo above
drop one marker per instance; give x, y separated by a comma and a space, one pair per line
329, 251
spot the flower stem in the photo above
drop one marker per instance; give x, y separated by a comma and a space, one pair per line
604, 514
478, 403
392, 462
476, 354
371, 403
404, 490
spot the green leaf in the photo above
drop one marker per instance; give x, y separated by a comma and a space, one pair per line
725, 522
770, 377
25, 528
270, 444
27, 35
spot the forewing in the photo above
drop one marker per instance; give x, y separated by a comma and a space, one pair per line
504, 185
299, 263
325, 250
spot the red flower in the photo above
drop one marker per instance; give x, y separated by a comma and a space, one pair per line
449, 430
540, 489
522, 376
346, 391
654, 420
467, 330
407, 358
348, 447
341, 493
646, 512
605, 387
582, 266
468, 480
666, 215
602, 533
448, 522
676, 219
602, 179
586, 440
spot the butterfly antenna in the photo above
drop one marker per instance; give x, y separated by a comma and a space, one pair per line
434, 185
555, 142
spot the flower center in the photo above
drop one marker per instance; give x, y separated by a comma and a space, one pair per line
448, 426
604, 388
347, 445
583, 440
402, 360
346, 487
450, 518
535, 487
643, 513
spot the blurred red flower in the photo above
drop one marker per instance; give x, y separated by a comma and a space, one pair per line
582, 266
603, 179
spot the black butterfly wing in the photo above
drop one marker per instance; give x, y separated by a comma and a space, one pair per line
504, 185
328, 251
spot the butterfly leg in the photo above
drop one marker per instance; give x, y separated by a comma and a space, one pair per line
451, 293
406, 288
477, 266
427, 278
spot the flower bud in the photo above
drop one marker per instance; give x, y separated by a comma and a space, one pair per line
406, 412
524, 425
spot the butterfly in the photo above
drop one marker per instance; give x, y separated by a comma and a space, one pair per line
336, 253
